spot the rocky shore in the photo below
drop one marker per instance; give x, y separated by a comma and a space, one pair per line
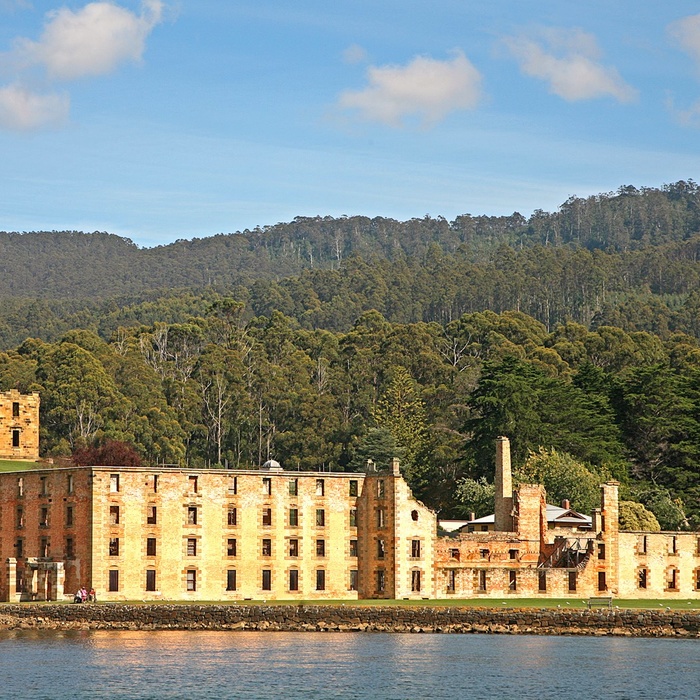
349, 618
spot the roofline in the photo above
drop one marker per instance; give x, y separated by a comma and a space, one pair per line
185, 470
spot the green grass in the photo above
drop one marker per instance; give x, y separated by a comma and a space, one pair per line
17, 465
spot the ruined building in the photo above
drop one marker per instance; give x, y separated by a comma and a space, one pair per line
19, 425
187, 534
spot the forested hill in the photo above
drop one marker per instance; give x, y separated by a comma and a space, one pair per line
629, 259
323, 342
71, 264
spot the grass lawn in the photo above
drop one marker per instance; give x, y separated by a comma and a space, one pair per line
17, 465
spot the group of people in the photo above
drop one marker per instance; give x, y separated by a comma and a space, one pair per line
82, 596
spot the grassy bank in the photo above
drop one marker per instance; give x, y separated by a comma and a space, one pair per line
18, 465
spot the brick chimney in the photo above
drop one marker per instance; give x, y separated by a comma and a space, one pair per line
504, 487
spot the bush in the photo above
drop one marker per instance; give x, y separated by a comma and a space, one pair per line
112, 453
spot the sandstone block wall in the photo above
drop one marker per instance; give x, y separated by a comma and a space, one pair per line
19, 425
659, 565
205, 524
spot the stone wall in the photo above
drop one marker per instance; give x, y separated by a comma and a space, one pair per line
19, 425
305, 618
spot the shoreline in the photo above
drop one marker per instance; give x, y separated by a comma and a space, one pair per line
349, 618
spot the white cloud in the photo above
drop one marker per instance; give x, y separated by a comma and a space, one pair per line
354, 54
569, 60
91, 41
426, 88
686, 32
23, 110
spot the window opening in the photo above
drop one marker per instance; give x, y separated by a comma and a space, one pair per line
293, 580
642, 578
113, 581
150, 580
231, 580
415, 581
191, 580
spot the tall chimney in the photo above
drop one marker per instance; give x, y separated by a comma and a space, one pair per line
504, 487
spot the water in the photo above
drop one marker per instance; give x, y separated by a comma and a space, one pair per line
204, 665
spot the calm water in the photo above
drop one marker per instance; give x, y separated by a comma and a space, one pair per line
203, 665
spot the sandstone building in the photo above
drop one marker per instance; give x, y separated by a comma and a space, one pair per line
176, 534
19, 425
270, 534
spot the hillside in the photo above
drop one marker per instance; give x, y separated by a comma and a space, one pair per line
74, 265
577, 331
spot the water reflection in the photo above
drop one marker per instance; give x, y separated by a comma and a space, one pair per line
157, 665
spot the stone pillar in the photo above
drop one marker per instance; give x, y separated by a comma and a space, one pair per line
10, 580
31, 580
60, 583
504, 487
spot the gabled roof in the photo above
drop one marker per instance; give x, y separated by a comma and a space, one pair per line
555, 516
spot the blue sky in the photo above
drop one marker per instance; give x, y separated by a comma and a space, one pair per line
165, 120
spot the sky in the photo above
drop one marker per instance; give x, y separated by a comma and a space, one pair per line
174, 119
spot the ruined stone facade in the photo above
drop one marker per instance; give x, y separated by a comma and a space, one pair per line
171, 534
19, 425
269, 534
529, 560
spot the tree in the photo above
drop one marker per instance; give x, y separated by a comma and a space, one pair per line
634, 516
378, 445
669, 511
111, 453
563, 477
475, 496
534, 410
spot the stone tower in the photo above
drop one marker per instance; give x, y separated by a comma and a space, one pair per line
504, 487
19, 425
